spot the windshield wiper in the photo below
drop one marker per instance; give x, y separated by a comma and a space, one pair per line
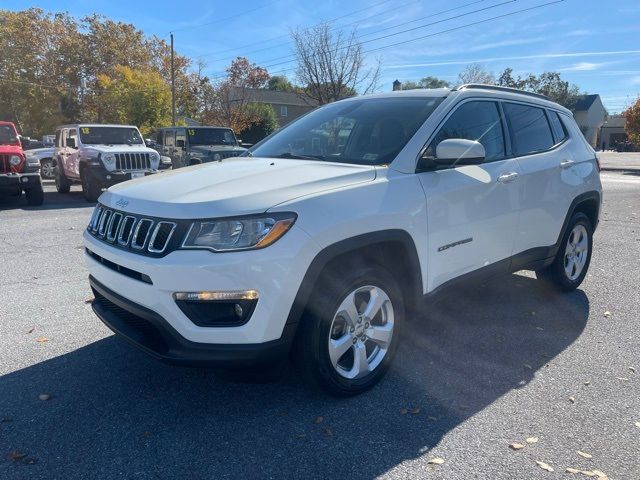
300, 157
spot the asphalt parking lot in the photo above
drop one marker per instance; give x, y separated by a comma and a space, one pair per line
484, 367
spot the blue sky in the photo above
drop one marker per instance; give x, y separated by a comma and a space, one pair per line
595, 44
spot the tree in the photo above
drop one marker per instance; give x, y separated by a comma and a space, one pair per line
331, 64
137, 97
281, 84
267, 124
233, 98
426, 82
550, 84
476, 73
632, 125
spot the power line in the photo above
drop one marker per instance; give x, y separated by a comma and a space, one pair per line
291, 58
447, 30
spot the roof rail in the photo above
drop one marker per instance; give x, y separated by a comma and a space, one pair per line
499, 88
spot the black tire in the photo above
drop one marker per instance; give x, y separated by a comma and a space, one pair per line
311, 351
34, 195
63, 185
194, 161
48, 169
556, 274
90, 189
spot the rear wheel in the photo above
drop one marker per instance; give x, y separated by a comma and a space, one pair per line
62, 184
90, 188
349, 333
48, 169
34, 195
572, 260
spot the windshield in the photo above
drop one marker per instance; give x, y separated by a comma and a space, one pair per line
8, 135
211, 136
110, 136
366, 131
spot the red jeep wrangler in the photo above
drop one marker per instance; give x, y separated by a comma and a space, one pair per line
16, 174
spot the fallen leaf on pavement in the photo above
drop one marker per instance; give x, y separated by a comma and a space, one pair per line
415, 411
516, 446
637, 424
30, 460
600, 474
607, 314
318, 420
532, 440
436, 461
588, 473
88, 300
572, 399
623, 379
300, 435
31, 330
584, 454
44, 397
328, 432
572, 470
526, 365
42, 339
14, 455
632, 370
544, 466
403, 411
587, 383
436, 418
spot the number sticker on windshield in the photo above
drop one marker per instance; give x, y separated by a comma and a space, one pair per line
192, 132
85, 130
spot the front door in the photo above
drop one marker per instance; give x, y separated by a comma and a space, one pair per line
472, 210
72, 149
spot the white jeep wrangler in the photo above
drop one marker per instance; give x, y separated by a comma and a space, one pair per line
99, 156
320, 240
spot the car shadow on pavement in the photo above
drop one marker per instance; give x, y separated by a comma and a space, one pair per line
115, 413
52, 201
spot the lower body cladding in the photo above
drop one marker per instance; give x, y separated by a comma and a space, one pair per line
105, 179
140, 299
17, 182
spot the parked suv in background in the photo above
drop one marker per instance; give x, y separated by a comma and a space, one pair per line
17, 173
194, 145
98, 156
342, 221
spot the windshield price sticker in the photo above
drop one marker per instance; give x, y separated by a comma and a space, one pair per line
85, 130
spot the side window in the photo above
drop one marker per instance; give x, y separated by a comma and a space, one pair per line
181, 135
158, 137
530, 129
73, 133
478, 121
65, 134
58, 138
559, 130
169, 138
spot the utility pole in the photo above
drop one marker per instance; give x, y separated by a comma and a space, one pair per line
173, 87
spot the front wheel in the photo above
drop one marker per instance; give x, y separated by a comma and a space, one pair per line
574, 256
62, 184
349, 333
35, 195
90, 189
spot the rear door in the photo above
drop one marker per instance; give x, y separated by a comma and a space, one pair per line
472, 210
543, 150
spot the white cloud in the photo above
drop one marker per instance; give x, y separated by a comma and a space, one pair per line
581, 66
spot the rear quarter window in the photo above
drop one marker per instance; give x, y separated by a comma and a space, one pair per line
559, 130
529, 128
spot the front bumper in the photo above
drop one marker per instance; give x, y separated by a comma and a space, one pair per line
106, 179
154, 335
275, 273
18, 181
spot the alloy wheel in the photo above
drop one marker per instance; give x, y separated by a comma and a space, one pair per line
576, 252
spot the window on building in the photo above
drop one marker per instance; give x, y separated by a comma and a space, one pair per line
284, 111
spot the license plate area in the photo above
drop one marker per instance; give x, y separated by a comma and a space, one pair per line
137, 175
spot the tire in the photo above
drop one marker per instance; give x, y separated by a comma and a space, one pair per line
47, 169
62, 184
362, 361
571, 264
90, 189
35, 195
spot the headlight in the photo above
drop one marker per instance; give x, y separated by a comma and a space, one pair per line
108, 159
154, 156
15, 160
223, 235
217, 156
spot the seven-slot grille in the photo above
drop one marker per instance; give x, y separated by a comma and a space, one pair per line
133, 232
132, 161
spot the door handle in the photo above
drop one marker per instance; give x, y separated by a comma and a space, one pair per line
566, 163
507, 177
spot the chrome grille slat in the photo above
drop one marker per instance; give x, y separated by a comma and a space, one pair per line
132, 161
114, 226
153, 248
127, 225
104, 221
135, 241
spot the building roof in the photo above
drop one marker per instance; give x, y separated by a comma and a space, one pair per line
583, 102
277, 97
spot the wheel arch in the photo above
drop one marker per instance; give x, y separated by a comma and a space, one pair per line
392, 249
588, 203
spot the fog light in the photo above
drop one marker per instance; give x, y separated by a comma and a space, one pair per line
216, 296
24, 179
238, 309
108, 177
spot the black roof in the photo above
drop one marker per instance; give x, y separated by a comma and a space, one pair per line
583, 102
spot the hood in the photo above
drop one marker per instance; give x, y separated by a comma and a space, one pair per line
238, 186
139, 148
11, 150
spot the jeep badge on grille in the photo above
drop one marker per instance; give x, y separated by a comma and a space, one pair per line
122, 203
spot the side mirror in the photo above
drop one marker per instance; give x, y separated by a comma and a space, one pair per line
180, 143
71, 142
459, 151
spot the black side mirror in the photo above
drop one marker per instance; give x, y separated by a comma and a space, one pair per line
180, 143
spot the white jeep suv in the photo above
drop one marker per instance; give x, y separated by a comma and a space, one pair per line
323, 237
